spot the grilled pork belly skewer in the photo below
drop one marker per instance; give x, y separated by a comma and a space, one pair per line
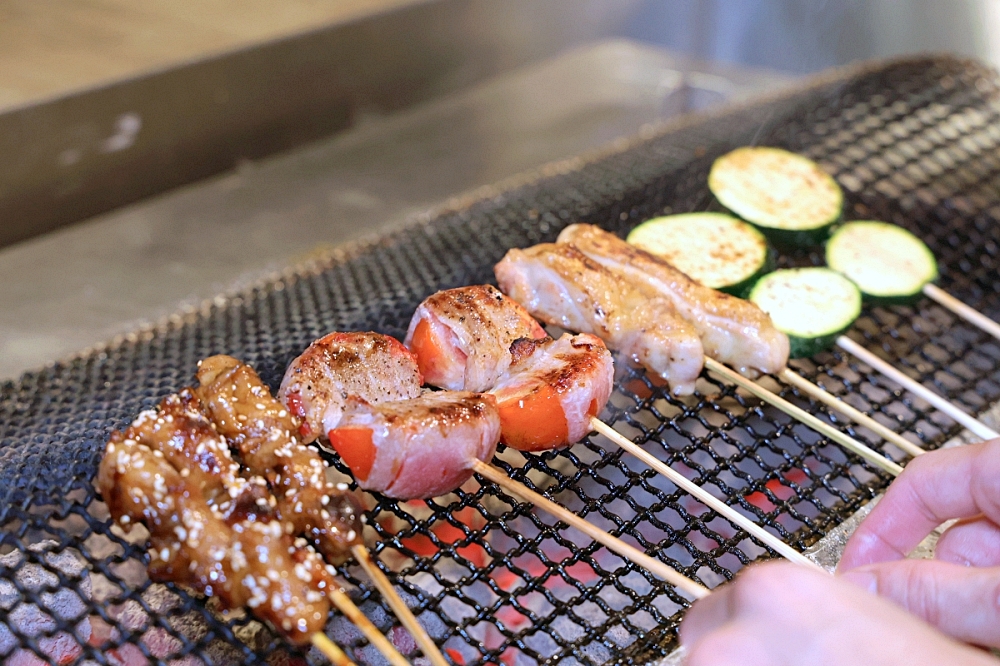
742, 334
734, 330
211, 529
560, 285
386, 445
263, 432
552, 393
553, 282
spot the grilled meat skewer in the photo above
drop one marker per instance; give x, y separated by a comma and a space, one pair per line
225, 544
732, 330
262, 431
461, 337
560, 285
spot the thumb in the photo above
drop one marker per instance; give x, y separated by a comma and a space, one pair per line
963, 602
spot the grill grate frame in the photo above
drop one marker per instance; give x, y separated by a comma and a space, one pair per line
912, 142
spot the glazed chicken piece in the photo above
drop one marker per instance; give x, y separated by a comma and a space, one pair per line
182, 433
233, 548
552, 389
461, 337
732, 330
419, 448
371, 366
562, 286
263, 432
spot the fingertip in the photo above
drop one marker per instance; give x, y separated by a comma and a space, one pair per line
974, 542
867, 547
732, 645
863, 578
706, 615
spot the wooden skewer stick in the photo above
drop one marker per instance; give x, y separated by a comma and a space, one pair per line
331, 650
706, 498
805, 417
812, 390
971, 423
370, 631
962, 310
399, 607
597, 534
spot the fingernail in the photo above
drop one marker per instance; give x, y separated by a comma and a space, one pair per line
863, 579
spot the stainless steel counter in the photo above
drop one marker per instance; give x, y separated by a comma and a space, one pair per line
87, 283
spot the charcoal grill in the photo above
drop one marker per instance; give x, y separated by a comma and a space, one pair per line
914, 142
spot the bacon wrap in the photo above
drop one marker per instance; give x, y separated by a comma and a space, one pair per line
461, 337
552, 390
413, 449
370, 366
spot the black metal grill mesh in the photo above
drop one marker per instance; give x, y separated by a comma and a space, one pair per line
913, 142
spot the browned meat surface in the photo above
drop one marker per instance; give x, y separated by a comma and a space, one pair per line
229, 546
732, 330
425, 447
371, 366
552, 389
461, 337
560, 285
263, 432
181, 432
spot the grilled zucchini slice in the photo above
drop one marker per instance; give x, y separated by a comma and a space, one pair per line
715, 249
791, 199
812, 306
888, 263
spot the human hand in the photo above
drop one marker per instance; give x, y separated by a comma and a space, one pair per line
781, 613
958, 591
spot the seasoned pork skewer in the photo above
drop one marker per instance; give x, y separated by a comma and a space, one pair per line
173, 473
261, 429
448, 420
560, 285
732, 330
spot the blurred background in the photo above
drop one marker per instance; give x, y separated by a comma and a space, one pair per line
159, 153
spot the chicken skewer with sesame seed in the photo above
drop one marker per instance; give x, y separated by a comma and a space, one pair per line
210, 528
263, 433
